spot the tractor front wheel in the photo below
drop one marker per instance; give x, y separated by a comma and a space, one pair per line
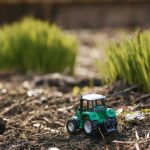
88, 127
71, 126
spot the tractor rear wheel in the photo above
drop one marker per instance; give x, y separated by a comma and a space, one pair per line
89, 128
71, 126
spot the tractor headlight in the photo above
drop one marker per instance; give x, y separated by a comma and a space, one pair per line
75, 118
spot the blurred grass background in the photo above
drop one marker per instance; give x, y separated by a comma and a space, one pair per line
128, 60
36, 46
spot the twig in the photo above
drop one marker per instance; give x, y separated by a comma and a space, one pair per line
123, 142
19, 104
124, 91
145, 106
101, 133
6, 110
137, 136
129, 89
137, 146
141, 106
141, 98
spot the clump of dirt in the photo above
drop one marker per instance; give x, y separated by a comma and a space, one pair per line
2, 126
36, 116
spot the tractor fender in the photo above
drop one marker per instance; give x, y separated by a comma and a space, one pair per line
110, 112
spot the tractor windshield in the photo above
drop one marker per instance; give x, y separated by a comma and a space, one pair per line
92, 104
100, 102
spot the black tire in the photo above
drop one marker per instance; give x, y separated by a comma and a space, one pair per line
71, 126
115, 122
89, 127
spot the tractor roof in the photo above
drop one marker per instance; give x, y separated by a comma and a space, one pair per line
92, 97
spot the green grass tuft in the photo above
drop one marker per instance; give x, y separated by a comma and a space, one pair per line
128, 60
36, 46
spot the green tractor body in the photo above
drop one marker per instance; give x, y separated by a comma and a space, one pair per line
93, 114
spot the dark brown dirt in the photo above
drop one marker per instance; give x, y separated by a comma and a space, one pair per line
36, 116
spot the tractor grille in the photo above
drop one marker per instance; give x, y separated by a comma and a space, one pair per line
109, 126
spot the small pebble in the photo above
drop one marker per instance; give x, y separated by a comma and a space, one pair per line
4, 91
53, 148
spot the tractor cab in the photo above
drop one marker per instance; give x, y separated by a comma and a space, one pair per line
92, 102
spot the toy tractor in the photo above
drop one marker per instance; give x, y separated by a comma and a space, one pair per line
93, 116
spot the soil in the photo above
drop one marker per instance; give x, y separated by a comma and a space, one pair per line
34, 116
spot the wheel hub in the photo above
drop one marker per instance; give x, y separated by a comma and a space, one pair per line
71, 126
88, 126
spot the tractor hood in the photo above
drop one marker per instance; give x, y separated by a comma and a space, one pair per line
110, 112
